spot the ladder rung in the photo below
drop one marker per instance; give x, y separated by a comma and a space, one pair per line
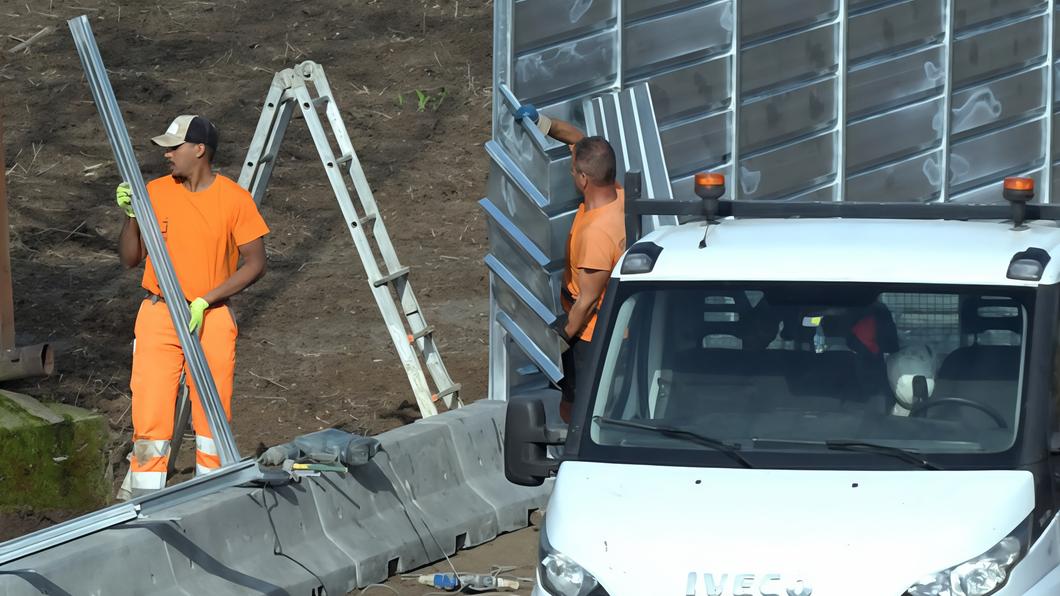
321, 101
451, 390
363, 221
391, 277
344, 159
421, 333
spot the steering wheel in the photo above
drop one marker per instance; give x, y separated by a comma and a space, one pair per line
960, 401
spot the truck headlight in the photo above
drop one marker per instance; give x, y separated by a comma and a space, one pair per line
982, 575
562, 576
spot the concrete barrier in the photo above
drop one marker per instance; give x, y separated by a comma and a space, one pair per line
436, 486
479, 444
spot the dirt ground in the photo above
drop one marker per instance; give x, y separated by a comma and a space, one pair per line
513, 555
413, 80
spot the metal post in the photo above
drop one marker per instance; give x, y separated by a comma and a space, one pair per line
947, 112
734, 95
175, 300
620, 24
498, 379
841, 107
1045, 196
502, 56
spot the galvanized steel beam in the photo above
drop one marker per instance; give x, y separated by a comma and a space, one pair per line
110, 113
141, 507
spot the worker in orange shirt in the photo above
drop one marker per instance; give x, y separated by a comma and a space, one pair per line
597, 240
208, 223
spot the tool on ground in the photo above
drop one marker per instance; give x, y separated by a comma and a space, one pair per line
318, 467
306, 87
468, 582
110, 113
328, 450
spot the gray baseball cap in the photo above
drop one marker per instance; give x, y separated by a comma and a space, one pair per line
189, 129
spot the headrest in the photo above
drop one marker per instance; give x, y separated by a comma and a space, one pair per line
989, 313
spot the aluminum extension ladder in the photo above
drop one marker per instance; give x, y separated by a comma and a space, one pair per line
306, 87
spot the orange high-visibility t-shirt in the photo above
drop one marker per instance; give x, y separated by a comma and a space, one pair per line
203, 232
597, 240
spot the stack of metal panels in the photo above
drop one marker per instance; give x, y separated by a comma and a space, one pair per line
816, 100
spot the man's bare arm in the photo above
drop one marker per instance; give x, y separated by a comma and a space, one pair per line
252, 269
565, 132
591, 284
131, 250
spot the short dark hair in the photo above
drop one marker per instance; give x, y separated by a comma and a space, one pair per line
594, 157
209, 153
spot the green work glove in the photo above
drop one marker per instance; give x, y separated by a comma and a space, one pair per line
123, 195
198, 309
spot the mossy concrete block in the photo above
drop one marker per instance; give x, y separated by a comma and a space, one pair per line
51, 455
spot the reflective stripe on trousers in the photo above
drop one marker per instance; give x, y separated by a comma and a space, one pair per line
158, 361
147, 464
206, 458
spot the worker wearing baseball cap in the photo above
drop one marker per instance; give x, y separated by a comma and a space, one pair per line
208, 223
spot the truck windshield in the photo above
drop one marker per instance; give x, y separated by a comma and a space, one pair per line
805, 366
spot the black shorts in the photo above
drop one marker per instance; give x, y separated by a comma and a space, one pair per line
575, 373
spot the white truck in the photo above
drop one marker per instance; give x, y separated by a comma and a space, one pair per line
771, 417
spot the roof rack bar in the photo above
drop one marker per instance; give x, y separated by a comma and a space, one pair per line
822, 210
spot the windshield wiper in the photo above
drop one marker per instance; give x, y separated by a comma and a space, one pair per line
906, 455
733, 451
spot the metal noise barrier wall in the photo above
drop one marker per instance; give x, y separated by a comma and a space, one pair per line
110, 113
815, 100
435, 486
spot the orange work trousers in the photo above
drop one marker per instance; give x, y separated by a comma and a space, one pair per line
158, 362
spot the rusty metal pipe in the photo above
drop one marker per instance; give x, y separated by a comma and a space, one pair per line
28, 361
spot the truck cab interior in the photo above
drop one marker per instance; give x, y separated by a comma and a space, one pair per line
768, 365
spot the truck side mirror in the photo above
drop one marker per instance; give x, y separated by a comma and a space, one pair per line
526, 441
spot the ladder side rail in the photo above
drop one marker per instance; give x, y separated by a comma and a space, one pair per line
272, 149
385, 301
355, 171
417, 323
257, 167
423, 337
420, 331
409, 303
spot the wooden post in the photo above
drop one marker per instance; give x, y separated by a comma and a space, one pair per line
15, 362
7, 301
